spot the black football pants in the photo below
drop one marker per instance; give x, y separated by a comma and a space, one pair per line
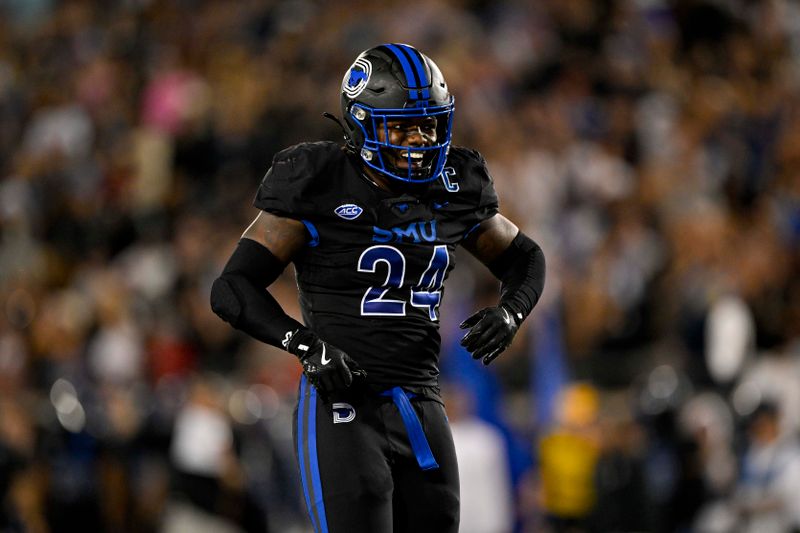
359, 472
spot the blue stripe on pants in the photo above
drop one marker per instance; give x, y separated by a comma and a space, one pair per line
312, 456
300, 455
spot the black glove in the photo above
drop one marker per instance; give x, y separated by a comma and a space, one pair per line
491, 331
327, 367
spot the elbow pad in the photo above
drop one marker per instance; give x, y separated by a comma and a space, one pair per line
225, 302
239, 295
521, 270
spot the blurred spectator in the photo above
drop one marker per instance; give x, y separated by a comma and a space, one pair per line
209, 486
21, 479
730, 337
487, 504
568, 457
622, 500
769, 482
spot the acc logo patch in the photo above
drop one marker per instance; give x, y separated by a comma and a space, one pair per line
348, 211
357, 77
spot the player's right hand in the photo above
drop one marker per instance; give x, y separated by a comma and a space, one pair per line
327, 367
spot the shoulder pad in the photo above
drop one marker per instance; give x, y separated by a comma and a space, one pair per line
476, 195
290, 184
476, 185
468, 155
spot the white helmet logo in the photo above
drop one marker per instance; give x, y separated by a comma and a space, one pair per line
357, 77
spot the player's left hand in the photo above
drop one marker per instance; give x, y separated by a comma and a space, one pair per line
491, 331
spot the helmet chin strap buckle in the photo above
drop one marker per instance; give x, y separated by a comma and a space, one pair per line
366, 154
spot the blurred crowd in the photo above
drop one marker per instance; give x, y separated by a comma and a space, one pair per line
650, 146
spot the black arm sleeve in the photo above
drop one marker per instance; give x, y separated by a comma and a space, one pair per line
521, 269
239, 295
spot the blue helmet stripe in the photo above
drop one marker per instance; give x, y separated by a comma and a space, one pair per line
407, 70
422, 76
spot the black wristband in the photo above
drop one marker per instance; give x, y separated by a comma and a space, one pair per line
299, 342
521, 269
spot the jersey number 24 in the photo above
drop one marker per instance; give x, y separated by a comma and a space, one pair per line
427, 294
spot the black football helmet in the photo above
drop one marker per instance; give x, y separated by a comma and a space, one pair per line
391, 83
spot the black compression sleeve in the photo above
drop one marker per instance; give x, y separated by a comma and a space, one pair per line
239, 295
521, 269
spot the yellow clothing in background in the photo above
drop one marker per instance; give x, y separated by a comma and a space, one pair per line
567, 465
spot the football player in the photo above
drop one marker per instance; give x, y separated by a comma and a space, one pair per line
371, 227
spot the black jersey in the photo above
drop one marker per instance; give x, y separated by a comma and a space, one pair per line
370, 281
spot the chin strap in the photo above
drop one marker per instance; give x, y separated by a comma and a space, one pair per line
348, 142
336, 119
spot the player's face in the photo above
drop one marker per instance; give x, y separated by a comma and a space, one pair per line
416, 132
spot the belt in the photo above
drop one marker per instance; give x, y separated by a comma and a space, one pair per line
416, 435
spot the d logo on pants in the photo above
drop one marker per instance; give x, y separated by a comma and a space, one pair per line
343, 413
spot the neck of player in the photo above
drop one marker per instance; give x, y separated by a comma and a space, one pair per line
394, 186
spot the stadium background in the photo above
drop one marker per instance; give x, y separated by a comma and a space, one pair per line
650, 146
